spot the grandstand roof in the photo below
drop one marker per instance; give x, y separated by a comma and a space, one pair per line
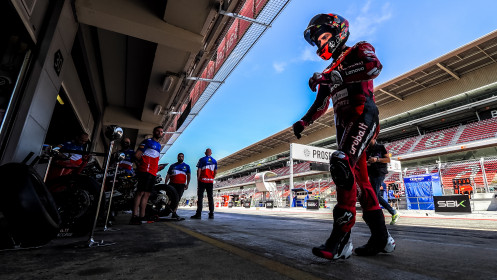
477, 54
449, 67
284, 136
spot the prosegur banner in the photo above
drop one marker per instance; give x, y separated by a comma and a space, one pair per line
310, 153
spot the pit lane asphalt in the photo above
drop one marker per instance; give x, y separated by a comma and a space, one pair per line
265, 244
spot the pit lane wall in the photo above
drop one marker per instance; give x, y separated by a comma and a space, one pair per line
50, 68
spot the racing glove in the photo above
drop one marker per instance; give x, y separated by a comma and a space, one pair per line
331, 78
298, 127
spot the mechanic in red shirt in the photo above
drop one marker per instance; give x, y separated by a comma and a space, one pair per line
348, 81
178, 176
206, 173
147, 156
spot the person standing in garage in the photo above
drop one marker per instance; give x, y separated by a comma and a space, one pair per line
206, 172
71, 159
178, 176
129, 154
147, 157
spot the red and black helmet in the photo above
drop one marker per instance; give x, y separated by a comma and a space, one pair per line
336, 25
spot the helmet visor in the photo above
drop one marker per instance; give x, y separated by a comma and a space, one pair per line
312, 33
308, 35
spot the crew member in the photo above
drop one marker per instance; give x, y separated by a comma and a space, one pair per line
71, 159
129, 155
206, 172
178, 177
147, 157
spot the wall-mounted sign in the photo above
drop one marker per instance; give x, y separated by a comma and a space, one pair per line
310, 153
394, 165
452, 203
58, 61
313, 204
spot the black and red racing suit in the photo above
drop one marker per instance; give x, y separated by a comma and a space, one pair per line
356, 119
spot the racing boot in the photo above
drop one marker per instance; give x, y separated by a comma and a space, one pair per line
338, 245
380, 241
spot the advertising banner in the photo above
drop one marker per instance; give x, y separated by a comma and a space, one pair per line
313, 204
194, 93
310, 153
394, 166
420, 190
203, 85
221, 54
259, 5
210, 69
452, 203
246, 11
269, 204
232, 37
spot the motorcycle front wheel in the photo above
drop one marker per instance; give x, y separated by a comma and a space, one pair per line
29, 211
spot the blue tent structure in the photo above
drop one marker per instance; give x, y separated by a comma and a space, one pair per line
420, 190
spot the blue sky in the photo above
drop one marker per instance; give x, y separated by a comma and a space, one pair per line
268, 90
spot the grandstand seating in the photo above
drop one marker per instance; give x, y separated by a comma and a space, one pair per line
419, 171
469, 169
401, 146
479, 130
392, 177
436, 139
491, 171
286, 193
302, 167
328, 187
472, 132
282, 171
299, 186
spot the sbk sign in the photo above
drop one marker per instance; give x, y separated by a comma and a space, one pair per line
313, 204
452, 203
269, 204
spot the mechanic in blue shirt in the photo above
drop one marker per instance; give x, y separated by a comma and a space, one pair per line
71, 159
129, 156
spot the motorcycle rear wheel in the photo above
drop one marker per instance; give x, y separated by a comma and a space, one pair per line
163, 200
76, 197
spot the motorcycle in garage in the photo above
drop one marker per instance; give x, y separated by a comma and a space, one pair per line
33, 212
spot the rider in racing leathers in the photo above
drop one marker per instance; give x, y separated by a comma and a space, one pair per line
348, 81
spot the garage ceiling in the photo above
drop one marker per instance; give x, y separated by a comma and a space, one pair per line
139, 43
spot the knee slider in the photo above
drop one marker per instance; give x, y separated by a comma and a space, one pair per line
340, 170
